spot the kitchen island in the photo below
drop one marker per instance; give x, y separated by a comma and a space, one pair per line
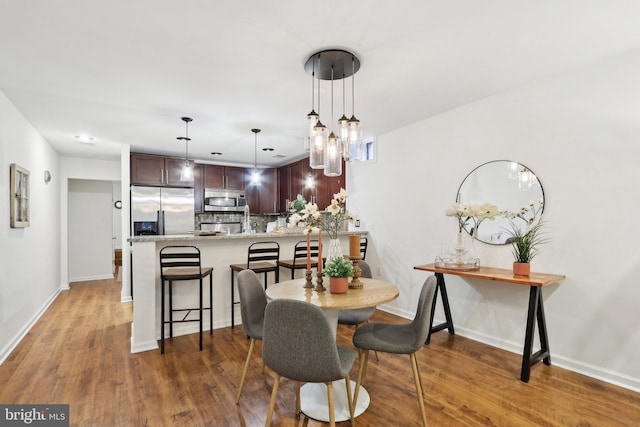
217, 252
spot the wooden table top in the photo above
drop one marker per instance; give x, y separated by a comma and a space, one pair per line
498, 274
373, 293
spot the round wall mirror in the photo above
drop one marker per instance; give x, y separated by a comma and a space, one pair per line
508, 185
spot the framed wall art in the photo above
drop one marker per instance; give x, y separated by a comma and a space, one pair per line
19, 182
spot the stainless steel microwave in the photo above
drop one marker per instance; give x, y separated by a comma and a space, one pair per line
216, 200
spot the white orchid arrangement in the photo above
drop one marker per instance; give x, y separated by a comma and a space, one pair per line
474, 213
313, 220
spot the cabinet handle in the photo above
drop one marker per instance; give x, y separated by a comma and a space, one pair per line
167, 182
162, 176
274, 206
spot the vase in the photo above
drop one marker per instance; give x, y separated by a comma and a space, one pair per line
338, 285
334, 250
521, 268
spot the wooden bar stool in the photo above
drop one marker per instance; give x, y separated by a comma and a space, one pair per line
181, 263
299, 260
262, 257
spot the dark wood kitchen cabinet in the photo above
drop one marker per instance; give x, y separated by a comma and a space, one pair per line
198, 188
149, 169
293, 181
224, 177
284, 184
263, 198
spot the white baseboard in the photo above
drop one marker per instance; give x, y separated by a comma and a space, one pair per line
126, 299
88, 278
596, 372
6, 351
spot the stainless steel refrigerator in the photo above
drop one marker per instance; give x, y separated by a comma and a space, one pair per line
161, 210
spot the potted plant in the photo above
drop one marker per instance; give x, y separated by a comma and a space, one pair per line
524, 243
339, 270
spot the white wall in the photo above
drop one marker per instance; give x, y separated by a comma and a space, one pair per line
90, 210
30, 264
585, 148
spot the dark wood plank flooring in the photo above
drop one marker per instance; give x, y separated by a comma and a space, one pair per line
78, 353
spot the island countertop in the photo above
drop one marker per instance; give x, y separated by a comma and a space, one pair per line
195, 236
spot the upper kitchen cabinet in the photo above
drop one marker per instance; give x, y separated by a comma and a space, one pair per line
284, 182
294, 180
224, 177
148, 169
263, 198
198, 188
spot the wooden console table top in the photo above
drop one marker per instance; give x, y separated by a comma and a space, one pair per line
498, 274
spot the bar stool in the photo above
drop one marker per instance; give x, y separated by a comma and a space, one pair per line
299, 260
180, 263
262, 257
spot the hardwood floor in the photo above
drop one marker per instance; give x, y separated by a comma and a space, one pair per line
78, 353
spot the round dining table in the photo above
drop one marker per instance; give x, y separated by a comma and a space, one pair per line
313, 396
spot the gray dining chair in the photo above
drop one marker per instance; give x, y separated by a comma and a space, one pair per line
359, 315
253, 301
299, 344
405, 338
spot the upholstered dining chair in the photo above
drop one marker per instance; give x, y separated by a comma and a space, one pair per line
405, 338
253, 301
358, 315
304, 351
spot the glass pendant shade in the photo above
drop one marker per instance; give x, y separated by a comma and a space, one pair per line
255, 177
355, 130
312, 119
333, 156
317, 147
187, 172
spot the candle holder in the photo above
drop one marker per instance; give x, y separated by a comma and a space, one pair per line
319, 287
309, 282
357, 271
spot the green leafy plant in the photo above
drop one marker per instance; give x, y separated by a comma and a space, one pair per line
525, 242
339, 267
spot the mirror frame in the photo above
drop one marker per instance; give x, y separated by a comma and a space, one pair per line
504, 223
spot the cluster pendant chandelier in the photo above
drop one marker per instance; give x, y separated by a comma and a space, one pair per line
327, 147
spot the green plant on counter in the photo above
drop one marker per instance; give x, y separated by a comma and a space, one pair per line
339, 267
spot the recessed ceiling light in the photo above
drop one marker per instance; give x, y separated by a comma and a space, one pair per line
267, 149
279, 156
84, 139
216, 153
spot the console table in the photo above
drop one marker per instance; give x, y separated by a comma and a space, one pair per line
535, 281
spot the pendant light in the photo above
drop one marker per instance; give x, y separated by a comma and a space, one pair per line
343, 123
255, 176
318, 137
187, 171
313, 117
355, 130
333, 151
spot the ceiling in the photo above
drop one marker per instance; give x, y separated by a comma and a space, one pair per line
124, 72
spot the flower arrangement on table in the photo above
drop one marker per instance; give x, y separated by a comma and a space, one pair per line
313, 219
470, 217
473, 213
